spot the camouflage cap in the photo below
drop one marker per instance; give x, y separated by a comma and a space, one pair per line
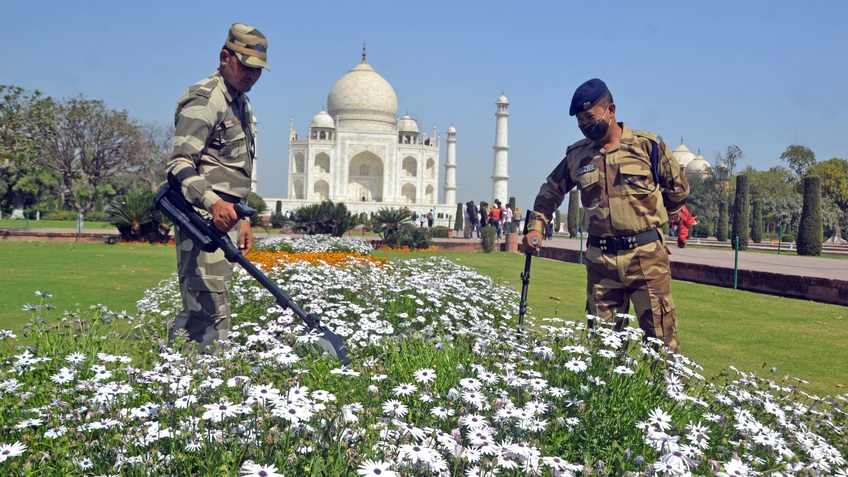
249, 45
587, 95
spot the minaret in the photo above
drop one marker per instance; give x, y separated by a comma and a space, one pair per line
450, 168
500, 178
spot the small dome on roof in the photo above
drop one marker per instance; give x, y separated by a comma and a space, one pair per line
698, 165
451, 130
323, 120
407, 124
683, 155
502, 100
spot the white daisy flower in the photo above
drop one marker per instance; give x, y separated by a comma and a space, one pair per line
424, 375
249, 469
576, 365
394, 407
373, 468
404, 389
11, 450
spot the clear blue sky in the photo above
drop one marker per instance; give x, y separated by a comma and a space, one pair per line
758, 74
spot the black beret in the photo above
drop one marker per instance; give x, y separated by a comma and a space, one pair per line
587, 95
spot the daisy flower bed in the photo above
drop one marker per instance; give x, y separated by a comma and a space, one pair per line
441, 384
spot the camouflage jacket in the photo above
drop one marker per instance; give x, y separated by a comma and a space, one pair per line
213, 143
617, 187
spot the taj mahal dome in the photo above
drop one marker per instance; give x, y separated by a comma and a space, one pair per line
690, 164
359, 152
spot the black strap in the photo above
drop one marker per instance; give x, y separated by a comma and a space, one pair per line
655, 160
614, 244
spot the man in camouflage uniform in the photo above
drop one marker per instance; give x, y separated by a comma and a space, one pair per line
211, 163
627, 195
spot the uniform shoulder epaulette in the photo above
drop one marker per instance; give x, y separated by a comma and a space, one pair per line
647, 135
206, 89
578, 144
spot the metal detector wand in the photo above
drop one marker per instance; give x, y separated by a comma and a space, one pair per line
525, 282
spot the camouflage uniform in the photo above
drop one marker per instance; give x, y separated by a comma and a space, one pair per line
212, 159
621, 199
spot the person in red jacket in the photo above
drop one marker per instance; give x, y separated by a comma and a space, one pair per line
684, 221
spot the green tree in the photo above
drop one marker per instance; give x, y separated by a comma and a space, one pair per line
90, 144
728, 161
800, 158
25, 122
810, 234
778, 181
783, 211
573, 212
757, 221
721, 227
703, 201
741, 214
834, 185
154, 152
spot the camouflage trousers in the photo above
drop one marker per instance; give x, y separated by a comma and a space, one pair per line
204, 286
641, 276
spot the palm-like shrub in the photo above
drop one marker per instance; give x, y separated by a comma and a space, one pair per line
397, 230
325, 218
258, 204
389, 221
137, 219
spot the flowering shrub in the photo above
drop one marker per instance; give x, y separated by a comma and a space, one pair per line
314, 243
441, 383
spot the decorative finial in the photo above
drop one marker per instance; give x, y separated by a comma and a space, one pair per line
681, 139
363, 52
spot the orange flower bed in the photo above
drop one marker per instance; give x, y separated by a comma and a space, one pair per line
406, 249
334, 259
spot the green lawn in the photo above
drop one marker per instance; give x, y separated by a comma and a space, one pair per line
719, 327
78, 275
52, 224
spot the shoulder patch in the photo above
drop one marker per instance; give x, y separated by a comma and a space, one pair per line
204, 92
579, 172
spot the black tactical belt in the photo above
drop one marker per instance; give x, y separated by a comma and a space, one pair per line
614, 244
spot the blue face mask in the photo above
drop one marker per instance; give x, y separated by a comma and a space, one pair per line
596, 130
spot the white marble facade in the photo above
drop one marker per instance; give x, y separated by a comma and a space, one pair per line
358, 152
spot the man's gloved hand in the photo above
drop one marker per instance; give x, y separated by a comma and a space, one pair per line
531, 245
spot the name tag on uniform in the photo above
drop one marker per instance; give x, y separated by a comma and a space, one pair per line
585, 169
